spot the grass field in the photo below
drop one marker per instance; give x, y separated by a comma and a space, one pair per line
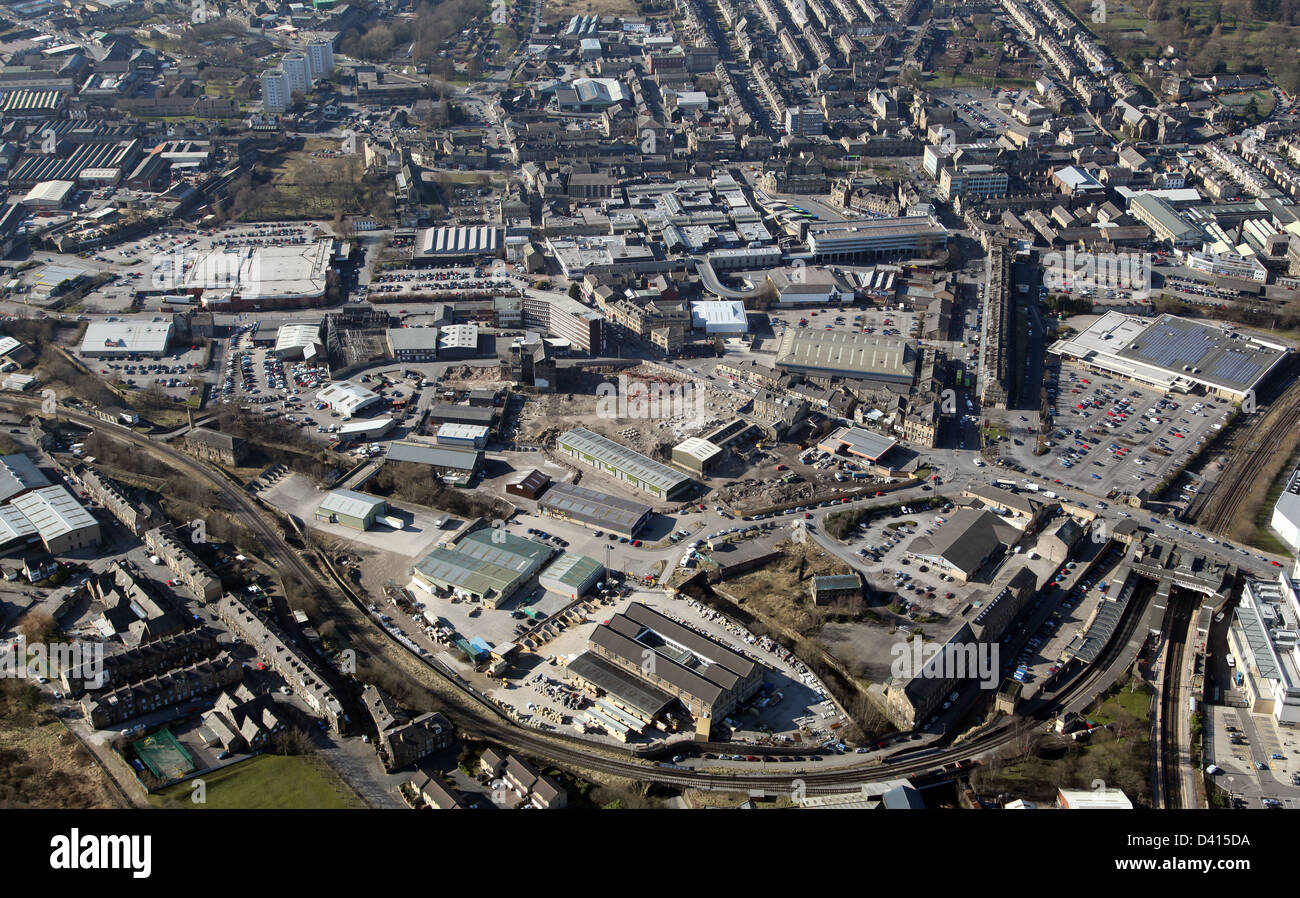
562, 10
271, 782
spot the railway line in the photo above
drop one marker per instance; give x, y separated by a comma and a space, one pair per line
1178, 618
473, 714
1223, 506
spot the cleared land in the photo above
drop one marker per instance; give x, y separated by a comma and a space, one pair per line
562, 10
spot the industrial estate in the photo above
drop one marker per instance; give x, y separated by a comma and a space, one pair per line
747, 403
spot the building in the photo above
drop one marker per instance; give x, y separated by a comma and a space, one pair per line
808, 284
447, 413
530, 484
158, 690
294, 342
566, 318
879, 238
276, 95
847, 354
485, 566
965, 543
859, 443
599, 511
193, 573
297, 72
458, 341
215, 446
464, 436
706, 677
622, 463
1286, 513
972, 181
136, 515
320, 53
1166, 225
120, 339
466, 242
1264, 648
696, 456
402, 740
1174, 354
261, 278
284, 657
49, 195
1093, 799
351, 509
539, 791
571, 576
62, 523
456, 465
413, 344
347, 398
720, 317
836, 588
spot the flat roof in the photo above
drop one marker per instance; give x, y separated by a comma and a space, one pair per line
127, 336
463, 431
1171, 351
289, 271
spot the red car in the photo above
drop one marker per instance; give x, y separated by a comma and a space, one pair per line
1275, 564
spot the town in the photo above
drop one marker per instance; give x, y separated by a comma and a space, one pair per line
647, 405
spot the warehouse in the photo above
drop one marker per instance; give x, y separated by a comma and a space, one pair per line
879, 238
599, 511
530, 484
696, 456
707, 677
455, 465
351, 509
448, 413
458, 341
294, 342
450, 243
465, 436
347, 398
49, 195
1174, 354
826, 354
572, 576
119, 339
413, 344
808, 284
264, 277
623, 463
365, 429
719, 317
63, 524
486, 566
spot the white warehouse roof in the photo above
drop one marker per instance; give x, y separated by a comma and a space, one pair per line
150, 337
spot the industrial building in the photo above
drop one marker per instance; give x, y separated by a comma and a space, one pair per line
1262, 640
458, 341
465, 436
530, 484
485, 566
350, 509
849, 355
119, 339
623, 463
1174, 354
706, 677
449, 413
599, 511
696, 456
295, 342
719, 317
347, 398
572, 576
455, 465
62, 523
49, 195
413, 344
450, 243
262, 277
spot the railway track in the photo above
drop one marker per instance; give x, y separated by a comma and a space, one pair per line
1224, 506
476, 716
1178, 618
